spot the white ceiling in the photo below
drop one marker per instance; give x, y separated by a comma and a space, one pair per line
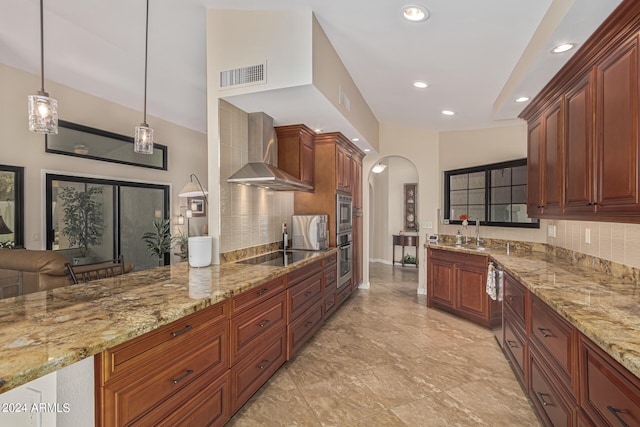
477, 56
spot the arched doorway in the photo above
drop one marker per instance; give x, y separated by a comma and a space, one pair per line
388, 210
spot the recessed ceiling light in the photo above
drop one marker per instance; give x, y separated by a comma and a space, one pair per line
366, 150
415, 13
355, 139
522, 99
420, 84
563, 47
448, 113
317, 130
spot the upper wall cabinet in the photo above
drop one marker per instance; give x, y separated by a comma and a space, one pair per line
584, 148
296, 152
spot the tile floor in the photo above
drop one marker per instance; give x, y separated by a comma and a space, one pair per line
384, 359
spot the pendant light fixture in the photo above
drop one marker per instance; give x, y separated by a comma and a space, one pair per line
43, 110
143, 141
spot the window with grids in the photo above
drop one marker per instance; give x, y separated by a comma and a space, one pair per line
496, 194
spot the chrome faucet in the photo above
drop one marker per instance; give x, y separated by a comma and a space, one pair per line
478, 240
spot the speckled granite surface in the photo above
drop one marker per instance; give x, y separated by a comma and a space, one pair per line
601, 301
45, 331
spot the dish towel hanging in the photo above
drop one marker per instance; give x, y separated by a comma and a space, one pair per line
491, 289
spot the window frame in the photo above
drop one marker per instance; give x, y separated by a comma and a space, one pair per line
486, 169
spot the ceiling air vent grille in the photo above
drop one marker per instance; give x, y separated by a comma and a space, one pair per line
253, 74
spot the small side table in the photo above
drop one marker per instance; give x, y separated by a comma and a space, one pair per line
404, 240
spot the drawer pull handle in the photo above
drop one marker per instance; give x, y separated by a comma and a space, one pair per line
542, 399
614, 412
182, 331
177, 380
264, 323
308, 324
510, 297
263, 291
265, 363
511, 344
308, 294
545, 334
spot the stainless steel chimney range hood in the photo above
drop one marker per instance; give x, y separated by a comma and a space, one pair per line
262, 168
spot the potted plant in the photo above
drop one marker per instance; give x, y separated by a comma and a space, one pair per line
182, 242
83, 222
159, 241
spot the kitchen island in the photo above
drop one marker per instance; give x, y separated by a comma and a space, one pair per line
45, 331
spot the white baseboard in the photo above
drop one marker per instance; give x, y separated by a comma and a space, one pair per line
381, 261
364, 285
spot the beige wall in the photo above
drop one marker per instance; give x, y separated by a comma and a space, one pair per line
187, 148
420, 147
461, 149
249, 216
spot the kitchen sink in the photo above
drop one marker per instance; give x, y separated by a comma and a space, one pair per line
479, 248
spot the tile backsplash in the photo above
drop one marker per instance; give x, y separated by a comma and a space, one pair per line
249, 216
617, 242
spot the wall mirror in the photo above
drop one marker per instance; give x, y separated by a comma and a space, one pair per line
83, 141
11, 206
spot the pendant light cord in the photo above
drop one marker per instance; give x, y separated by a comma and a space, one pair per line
42, 45
146, 54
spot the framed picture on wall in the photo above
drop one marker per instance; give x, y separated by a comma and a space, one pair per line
197, 206
410, 207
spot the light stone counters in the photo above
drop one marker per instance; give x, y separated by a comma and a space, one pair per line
602, 306
46, 331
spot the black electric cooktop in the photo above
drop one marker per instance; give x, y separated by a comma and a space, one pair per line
277, 259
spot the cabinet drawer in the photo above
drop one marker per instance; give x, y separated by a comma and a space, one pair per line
304, 295
330, 261
554, 338
254, 370
330, 277
129, 397
553, 408
256, 295
298, 275
203, 403
609, 393
248, 328
329, 305
514, 297
342, 295
303, 328
514, 344
139, 352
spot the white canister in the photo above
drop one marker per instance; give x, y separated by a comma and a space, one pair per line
199, 251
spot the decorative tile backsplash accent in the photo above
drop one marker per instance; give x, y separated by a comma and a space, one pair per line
249, 216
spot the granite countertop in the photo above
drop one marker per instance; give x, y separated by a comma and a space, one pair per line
48, 330
601, 305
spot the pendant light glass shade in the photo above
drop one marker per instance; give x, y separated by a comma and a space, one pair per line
43, 113
43, 110
143, 141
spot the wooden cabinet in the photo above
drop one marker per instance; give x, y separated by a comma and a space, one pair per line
304, 302
555, 339
569, 379
258, 342
554, 408
544, 163
609, 394
579, 195
617, 129
456, 283
338, 169
592, 108
296, 152
151, 377
330, 286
